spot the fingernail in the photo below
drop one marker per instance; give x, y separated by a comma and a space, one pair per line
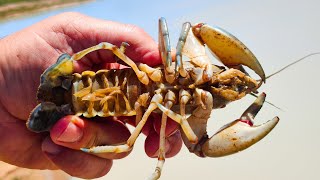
71, 134
50, 148
67, 130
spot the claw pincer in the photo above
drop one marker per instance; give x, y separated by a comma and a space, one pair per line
239, 134
229, 50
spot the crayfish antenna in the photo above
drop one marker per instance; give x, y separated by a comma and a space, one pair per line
280, 70
268, 102
291, 64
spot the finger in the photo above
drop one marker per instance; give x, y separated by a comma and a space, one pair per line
171, 126
114, 66
132, 121
173, 144
152, 131
151, 144
83, 31
16, 140
75, 133
76, 163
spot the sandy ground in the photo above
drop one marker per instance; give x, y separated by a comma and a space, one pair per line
10, 172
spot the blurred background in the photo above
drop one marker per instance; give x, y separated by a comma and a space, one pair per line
277, 32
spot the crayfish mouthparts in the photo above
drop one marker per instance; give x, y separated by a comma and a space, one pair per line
186, 91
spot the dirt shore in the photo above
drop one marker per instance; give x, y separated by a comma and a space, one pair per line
22, 8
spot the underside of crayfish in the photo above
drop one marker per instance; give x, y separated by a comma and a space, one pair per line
186, 90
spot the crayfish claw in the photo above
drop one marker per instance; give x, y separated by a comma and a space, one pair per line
239, 134
227, 48
250, 113
236, 137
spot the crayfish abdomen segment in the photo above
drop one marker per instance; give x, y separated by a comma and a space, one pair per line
105, 93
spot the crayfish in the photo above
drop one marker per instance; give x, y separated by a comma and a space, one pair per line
186, 90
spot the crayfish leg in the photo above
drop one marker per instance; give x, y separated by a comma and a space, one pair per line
165, 50
195, 50
142, 76
198, 120
180, 120
179, 69
157, 98
168, 101
195, 125
153, 73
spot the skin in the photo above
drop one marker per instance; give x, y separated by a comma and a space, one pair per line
26, 54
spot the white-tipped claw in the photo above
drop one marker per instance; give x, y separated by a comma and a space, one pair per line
227, 48
235, 137
239, 134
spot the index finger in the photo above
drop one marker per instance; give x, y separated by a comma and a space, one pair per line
83, 32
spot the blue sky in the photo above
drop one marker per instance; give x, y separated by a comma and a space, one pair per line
278, 32
141, 13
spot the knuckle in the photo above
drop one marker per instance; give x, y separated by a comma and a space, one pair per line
134, 29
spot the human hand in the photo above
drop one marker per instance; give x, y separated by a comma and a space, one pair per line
26, 54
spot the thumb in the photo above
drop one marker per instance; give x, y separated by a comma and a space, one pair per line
76, 163
75, 133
